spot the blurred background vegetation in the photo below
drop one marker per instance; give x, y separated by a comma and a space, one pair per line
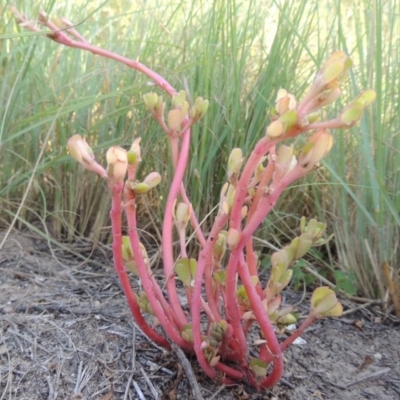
237, 54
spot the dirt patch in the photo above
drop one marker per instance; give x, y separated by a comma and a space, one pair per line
66, 333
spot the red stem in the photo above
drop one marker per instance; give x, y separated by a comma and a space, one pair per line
166, 318
204, 257
264, 322
167, 231
116, 221
231, 306
299, 331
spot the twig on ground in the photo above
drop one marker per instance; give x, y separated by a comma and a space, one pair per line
4, 350
138, 391
220, 389
110, 393
361, 306
372, 375
134, 349
52, 395
29, 340
189, 372
82, 378
153, 390
128, 384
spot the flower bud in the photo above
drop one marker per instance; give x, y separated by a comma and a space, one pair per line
233, 238
175, 119
234, 164
317, 147
152, 180
150, 100
140, 188
282, 125
134, 152
220, 246
199, 109
117, 163
144, 303
227, 196
284, 101
80, 150
275, 129
178, 99
182, 215
333, 71
354, 111
285, 162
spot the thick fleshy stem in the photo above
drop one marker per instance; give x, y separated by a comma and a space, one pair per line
236, 257
208, 251
130, 210
264, 322
174, 144
265, 179
204, 257
116, 221
165, 319
229, 371
251, 262
167, 231
299, 331
262, 146
165, 322
232, 309
287, 342
61, 37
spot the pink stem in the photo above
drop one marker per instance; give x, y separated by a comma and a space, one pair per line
264, 322
182, 242
236, 257
232, 309
229, 371
167, 231
165, 316
193, 219
60, 37
204, 266
262, 146
252, 265
331, 124
204, 257
116, 221
299, 331
270, 380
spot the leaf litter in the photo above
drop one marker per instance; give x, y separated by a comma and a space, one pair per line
67, 333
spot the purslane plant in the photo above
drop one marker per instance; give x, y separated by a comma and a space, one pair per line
225, 296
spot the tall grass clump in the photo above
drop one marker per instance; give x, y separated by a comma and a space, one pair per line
237, 54
362, 197
215, 48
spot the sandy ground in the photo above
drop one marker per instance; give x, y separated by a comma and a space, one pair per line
66, 333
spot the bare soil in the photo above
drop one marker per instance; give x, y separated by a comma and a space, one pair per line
66, 333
